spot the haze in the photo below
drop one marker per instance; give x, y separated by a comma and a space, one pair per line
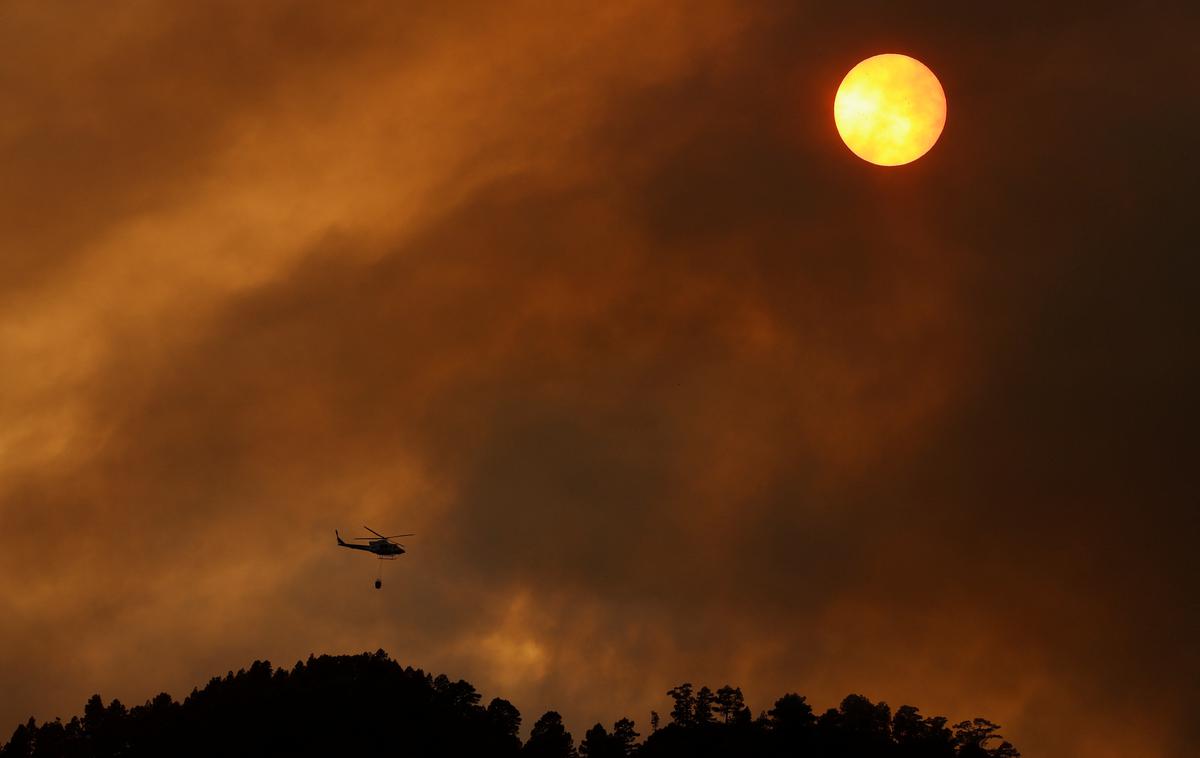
669, 385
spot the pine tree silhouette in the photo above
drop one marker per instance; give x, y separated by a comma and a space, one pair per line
342, 705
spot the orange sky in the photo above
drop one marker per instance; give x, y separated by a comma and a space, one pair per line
670, 385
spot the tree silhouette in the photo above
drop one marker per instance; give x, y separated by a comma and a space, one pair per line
549, 738
685, 704
105, 727
729, 702
792, 724
342, 705
625, 736
972, 737
703, 710
859, 727
21, 742
792, 712
598, 743
918, 737
505, 722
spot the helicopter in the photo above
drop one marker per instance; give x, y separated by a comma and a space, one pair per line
379, 545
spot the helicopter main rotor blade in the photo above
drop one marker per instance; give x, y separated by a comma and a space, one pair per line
372, 531
394, 536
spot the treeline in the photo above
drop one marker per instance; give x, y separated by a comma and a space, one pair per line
338, 705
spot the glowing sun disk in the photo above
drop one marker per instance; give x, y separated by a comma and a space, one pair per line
890, 109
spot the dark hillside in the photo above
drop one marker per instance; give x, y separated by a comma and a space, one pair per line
341, 705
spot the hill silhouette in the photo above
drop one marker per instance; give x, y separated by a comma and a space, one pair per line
338, 705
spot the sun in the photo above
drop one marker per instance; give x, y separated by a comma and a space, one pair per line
890, 109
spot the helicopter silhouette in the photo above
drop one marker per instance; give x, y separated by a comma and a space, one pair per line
379, 545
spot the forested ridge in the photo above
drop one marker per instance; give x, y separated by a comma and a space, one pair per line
336, 705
